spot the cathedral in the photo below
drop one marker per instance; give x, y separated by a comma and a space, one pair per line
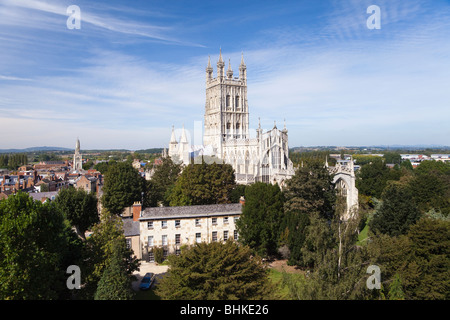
226, 132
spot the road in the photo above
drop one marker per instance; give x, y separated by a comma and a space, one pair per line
145, 267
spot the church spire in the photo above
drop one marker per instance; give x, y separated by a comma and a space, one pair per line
229, 71
242, 68
183, 138
220, 56
242, 60
172, 138
220, 66
209, 69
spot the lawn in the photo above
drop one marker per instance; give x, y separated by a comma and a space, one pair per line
363, 235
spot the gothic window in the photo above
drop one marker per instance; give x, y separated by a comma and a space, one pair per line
276, 158
228, 101
238, 106
265, 169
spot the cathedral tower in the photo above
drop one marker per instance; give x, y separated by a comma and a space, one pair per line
226, 107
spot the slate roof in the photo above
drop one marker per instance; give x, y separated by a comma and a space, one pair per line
40, 195
130, 227
154, 213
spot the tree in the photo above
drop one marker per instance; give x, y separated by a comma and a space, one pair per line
309, 192
122, 187
203, 184
163, 179
395, 289
418, 258
397, 212
36, 247
431, 186
259, 224
79, 207
336, 265
215, 271
115, 284
100, 250
372, 178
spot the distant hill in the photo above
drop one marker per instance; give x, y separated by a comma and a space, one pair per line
34, 149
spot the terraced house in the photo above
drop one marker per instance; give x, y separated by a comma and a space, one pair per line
173, 227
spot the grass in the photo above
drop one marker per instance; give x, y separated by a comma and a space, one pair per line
363, 235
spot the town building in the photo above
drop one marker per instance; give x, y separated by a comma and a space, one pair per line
171, 228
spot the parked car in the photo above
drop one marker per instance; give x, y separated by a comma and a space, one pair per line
147, 281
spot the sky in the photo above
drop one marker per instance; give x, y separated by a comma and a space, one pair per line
134, 69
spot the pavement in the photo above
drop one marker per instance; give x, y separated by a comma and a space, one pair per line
145, 267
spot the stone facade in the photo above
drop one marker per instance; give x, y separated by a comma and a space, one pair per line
344, 180
226, 132
173, 227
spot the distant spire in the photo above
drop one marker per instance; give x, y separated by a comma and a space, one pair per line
274, 124
220, 56
242, 59
172, 138
209, 64
183, 138
77, 145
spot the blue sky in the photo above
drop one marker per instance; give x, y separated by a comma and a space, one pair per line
135, 68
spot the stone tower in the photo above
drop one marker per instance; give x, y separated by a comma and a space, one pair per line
226, 108
77, 158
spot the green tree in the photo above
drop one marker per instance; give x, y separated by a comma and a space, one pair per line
99, 251
88, 165
122, 187
259, 224
419, 258
336, 266
203, 184
395, 289
36, 247
309, 192
216, 271
397, 212
431, 186
79, 207
163, 179
372, 178
115, 283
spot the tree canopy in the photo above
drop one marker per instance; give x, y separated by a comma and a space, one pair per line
203, 184
259, 224
36, 247
122, 187
216, 271
79, 207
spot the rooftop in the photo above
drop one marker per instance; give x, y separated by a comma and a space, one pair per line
190, 211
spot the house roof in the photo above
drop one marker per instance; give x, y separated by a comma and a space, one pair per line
153, 213
40, 195
130, 227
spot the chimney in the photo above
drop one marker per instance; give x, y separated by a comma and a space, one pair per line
137, 207
242, 201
